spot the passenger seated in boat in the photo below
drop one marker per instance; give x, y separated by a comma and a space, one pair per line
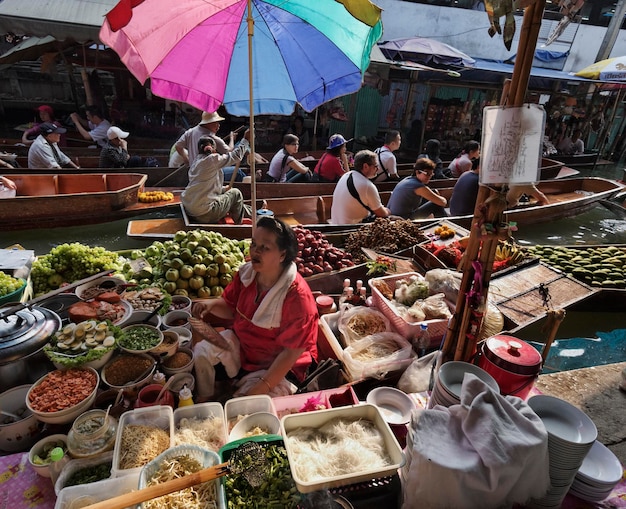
209, 125
334, 163
356, 198
205, 197
387, 166
6, 164
96, 123
115, 153
432, 152
274, 320
297, 128
463, 162
284, 167
46, 114
45, 151
516, 192
413, 199
8, 183
573, 145
465, 191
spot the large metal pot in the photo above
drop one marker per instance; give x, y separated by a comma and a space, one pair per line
23, 335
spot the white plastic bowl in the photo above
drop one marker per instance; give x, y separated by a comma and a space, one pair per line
66, 415
451, 376
184, 335
172, 318
600, 467
563, 420
115, 283
181, 303
263, 420
43, 470
131, 387
129, 328
395, 405
23, 433
137, 316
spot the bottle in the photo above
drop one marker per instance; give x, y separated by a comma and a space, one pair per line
185, 397
58, 459
359, 285
422, 341
346, 297
158, 378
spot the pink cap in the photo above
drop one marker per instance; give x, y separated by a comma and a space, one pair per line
47, 109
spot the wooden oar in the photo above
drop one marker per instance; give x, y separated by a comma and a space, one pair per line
616, 208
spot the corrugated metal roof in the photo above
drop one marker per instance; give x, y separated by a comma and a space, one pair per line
79, 20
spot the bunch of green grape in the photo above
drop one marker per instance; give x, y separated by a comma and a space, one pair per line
9, 284
67, 263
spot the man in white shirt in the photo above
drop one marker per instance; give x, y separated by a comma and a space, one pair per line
355, 196
45, 151
97, 124
388, 169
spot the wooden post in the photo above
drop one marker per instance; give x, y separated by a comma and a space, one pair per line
489, 207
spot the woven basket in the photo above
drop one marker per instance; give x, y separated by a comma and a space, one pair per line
436, 328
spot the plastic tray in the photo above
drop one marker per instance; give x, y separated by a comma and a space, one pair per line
160, 416
246, 405
285, 405
289, 423
78, 464
202, 411
97, 491
437, 328
203, 456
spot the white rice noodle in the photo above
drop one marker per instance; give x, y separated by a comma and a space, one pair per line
338, 448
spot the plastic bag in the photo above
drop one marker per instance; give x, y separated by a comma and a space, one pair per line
436, 307
417, 377
357, 322
366, 358
444, 281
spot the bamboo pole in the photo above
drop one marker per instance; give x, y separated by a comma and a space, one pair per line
250, 22
489, 206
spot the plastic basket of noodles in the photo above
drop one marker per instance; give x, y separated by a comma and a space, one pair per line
409, 329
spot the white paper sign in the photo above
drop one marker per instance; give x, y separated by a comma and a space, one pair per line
512, 144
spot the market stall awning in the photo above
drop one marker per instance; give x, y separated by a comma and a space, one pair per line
32, 48
78, 20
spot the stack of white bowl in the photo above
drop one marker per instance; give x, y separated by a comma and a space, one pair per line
598, 475
447, 389
571, 433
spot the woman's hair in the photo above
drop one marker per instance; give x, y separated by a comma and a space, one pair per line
285, 237
475, 163
424, 164
289, 139
335, 151
433, 147
204, 142
470, 146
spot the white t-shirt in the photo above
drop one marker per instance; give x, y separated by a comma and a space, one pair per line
388, 164
346, 209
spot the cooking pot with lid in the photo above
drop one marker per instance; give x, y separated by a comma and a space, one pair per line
513, 363
23, 334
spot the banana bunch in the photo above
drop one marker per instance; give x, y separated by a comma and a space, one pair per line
154, 196
510, 253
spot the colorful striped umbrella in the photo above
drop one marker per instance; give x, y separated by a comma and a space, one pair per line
197, 51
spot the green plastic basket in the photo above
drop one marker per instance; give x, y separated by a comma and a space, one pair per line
14, 296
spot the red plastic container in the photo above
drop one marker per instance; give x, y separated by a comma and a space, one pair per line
148, 396
512, 362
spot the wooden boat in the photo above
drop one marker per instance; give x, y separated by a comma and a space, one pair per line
568, 197
586, 160
49, 201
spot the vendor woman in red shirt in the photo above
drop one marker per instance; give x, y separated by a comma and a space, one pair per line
274, 320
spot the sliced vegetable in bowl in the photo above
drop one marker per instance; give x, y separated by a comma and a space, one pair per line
77, 344
140, 338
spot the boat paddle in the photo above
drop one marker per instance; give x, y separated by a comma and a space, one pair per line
616, 208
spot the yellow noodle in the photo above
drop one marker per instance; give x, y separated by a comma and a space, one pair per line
202, 496
141, 444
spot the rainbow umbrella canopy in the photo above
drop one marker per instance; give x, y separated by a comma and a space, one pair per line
611, 69
197, 51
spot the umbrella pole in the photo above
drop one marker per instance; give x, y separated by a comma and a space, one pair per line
251, 95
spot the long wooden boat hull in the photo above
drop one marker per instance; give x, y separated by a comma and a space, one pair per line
49, 201
568, 197
578, 160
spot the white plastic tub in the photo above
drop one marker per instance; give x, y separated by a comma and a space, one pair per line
202, 411
290, 423
246, 405
97, 491
159, 416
